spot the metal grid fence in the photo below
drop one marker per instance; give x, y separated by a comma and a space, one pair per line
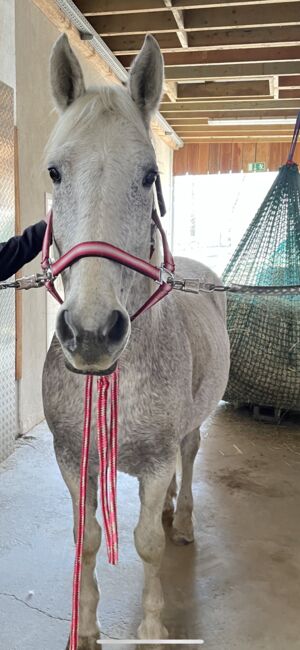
8, 419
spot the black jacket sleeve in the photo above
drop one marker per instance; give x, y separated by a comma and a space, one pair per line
17, 251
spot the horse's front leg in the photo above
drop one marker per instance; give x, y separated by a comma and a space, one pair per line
89, 591
150, 543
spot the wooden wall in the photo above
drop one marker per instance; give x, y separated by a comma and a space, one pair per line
201, 158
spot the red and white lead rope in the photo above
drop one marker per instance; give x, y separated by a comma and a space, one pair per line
108, 451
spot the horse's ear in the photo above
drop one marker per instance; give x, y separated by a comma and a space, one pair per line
146, 77
65, 74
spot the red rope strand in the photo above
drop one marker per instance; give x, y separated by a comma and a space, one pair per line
112, 462
107, 448
108, 452
102, 387
81, 511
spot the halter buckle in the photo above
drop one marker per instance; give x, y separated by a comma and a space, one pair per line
165, 276
30, 281
189, 285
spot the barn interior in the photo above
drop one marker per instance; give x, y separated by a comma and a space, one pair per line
230, 102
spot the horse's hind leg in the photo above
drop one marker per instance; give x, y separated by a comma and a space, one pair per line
150, 543
183, 530
89, 592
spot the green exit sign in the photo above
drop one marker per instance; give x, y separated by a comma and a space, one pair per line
256, 167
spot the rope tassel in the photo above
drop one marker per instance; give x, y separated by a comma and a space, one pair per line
108, 451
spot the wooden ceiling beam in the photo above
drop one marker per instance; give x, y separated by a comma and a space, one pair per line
289, 93
111, 7
211, 40
292, 81
230, 89
274, 87
235, 134
239, 55
234, 58
246, 16
177, 124
118, 24
202, 129
170, 87
243, 138
233, 70
223, 103
223, 114
178, 15
247, 105
197, 122
216, 18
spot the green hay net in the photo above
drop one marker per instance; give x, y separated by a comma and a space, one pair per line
264, 330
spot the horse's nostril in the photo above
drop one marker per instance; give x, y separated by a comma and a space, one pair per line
117, 327
67, 331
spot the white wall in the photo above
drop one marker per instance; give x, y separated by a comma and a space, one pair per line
7, 42
35, 118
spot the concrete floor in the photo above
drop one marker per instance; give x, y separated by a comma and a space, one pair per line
237, 587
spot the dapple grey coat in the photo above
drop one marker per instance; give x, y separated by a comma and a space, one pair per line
173, 360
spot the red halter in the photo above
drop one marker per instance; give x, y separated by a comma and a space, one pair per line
108, 251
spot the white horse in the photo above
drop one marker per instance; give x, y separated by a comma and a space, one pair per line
173, 360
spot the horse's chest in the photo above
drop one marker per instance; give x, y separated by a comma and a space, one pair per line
146, 427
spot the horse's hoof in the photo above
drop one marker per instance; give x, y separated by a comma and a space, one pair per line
181, 538
151, 628
87, 643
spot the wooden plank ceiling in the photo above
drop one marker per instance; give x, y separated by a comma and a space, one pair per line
225, 60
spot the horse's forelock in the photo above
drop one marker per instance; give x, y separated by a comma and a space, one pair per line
86, 113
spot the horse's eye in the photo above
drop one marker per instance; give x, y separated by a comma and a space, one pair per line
54, 174
149, 178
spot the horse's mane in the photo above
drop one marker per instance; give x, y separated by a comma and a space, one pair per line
87, 110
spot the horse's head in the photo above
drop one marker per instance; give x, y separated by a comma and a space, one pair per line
103, 167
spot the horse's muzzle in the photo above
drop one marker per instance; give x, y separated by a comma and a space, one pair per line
88, 350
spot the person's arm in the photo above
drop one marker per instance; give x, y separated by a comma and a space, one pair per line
21, 249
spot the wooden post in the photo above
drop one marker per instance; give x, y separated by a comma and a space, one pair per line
18, 294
